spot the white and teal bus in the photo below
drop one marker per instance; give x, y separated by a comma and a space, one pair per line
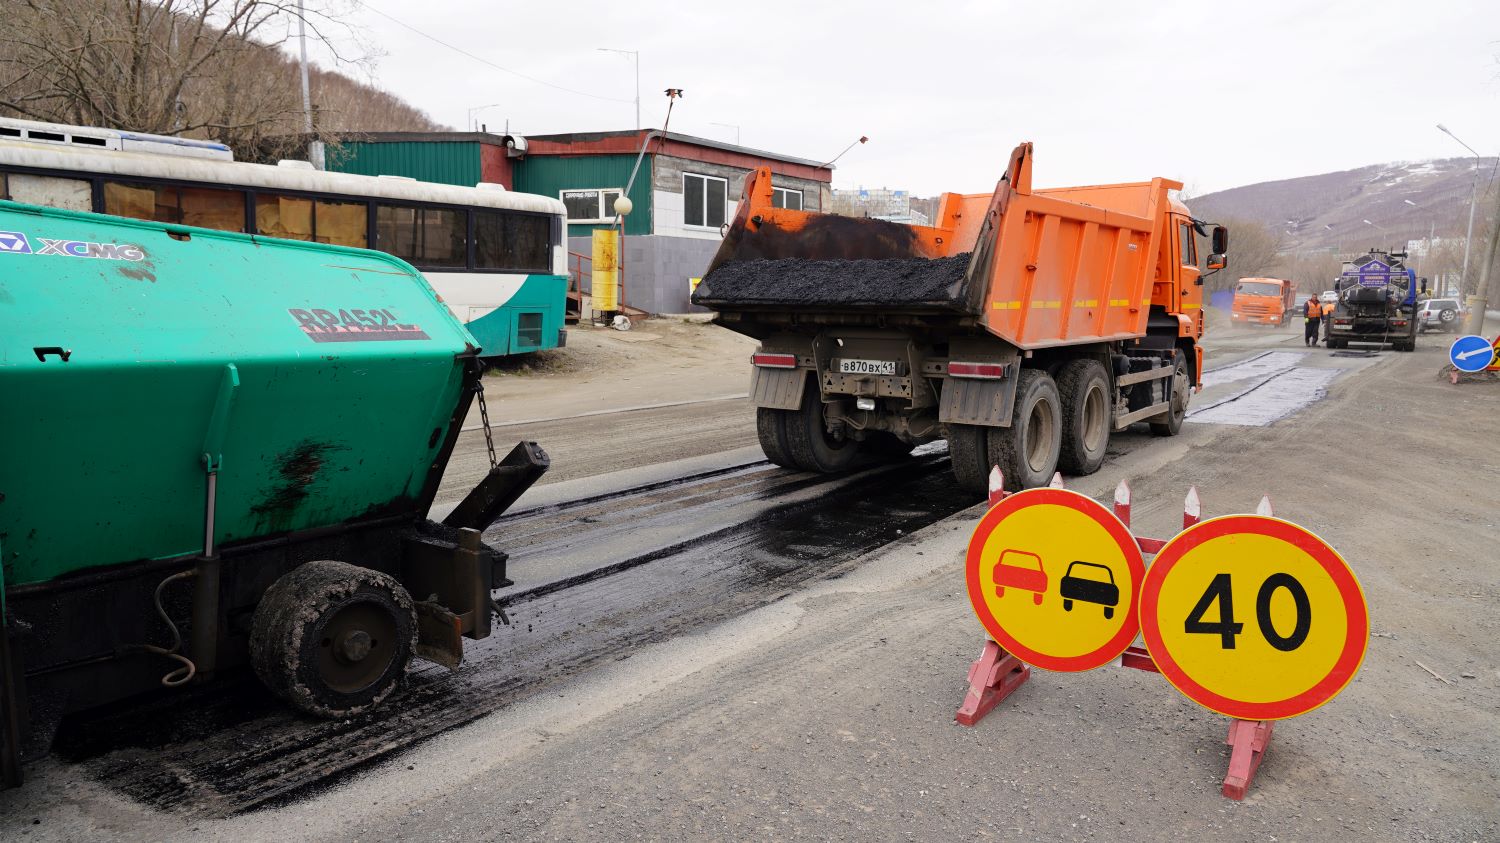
499, 259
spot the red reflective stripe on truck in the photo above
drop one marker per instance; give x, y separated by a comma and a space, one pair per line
976, 370
775, 361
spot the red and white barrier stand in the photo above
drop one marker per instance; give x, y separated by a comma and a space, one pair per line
996, 674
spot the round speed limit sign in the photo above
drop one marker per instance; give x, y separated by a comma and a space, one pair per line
1254, 617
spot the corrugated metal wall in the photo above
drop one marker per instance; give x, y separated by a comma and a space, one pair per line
548, 175
442, 161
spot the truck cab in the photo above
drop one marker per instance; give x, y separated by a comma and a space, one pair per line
1263, 301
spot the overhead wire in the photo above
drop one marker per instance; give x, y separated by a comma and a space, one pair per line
487, 62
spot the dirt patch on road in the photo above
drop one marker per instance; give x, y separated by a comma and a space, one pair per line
659, 361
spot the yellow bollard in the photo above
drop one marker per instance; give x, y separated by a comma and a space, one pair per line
606, 270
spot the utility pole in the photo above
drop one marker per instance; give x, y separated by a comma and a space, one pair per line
315, 146
1480, 300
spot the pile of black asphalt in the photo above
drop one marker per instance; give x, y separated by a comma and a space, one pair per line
836, 283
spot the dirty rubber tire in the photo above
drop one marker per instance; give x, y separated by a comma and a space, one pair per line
807, 439
1027, 451
1084, 391
1407, 345
1180, 394
886, 446
968, 454
292, 652
770, 428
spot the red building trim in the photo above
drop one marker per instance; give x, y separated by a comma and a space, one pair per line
630, 144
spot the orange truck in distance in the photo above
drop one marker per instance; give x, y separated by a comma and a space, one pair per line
1263, 301
1024, 326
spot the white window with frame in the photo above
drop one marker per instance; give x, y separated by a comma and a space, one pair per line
704, 201
786, 197
591, 205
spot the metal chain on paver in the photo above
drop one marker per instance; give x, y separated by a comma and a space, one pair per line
484, 419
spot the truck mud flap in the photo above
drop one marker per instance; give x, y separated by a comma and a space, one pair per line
777, 389
983, 402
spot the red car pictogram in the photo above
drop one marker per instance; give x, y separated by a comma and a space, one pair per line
1019, 569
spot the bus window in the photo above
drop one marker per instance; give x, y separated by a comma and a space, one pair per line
342, 223
512, 241
205, 207
321, 221
54, 192
422, 236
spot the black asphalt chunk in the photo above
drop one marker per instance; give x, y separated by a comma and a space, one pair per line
837, 283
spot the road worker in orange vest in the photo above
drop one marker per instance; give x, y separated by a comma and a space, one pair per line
1314, 314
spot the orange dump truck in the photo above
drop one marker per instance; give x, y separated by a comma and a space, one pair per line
1263, 301
1024, 326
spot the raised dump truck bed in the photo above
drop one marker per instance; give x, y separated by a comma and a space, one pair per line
1022, 326
221, 449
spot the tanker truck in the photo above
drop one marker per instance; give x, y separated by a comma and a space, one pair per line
220, 453
1377, 303
1023, 326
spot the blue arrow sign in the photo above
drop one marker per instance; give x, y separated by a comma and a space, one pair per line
1471, 353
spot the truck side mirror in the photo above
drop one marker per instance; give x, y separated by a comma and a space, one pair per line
1220, 241
1217, 261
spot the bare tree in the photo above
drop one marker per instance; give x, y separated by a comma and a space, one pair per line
208, 68
1255, 251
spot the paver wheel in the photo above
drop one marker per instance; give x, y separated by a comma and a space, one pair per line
1084, 390
1172, 423
810, 445
968, 452
333, 639
1027, 451
770, 428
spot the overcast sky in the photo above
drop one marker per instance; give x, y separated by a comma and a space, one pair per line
1214, 93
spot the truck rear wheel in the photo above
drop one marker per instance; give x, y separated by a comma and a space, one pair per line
810, 445
770, 428
1175, 414
1086, 405
1027, 451
968, 452
333, 639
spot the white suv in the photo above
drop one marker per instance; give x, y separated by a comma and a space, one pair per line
1440, 314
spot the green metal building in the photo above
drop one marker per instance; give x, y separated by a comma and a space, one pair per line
685, 190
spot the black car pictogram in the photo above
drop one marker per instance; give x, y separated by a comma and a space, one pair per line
1088, 588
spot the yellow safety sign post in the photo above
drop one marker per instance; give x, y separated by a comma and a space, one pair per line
1254, 617
606, 271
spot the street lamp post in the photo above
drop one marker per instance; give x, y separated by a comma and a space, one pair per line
472, 124
735, 126
636, 55
1473, 195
